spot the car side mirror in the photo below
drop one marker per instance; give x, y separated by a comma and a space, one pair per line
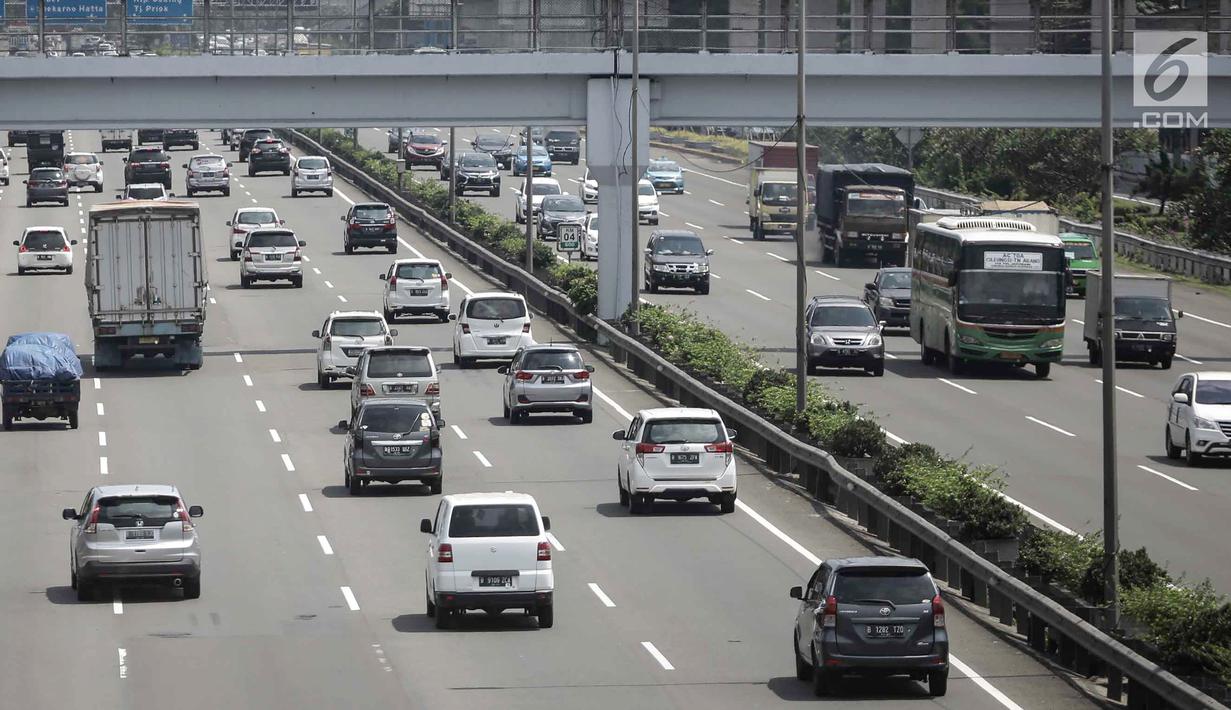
797, 592
124, 159
195, 511
1179, 314
184, 165
618, 435
383, 277
440, 421
452, 316
228, 223
72, 242
882, 324
393, 332
350, 369
503, 370
68, 514
316, 334
342, 218
343, 425
589, 368
302, 243
649, 250
425, 526
870, 286
1180, 398
546, 523
25, 182
732, 433
16, 243
448, 275
709, 252
282, 222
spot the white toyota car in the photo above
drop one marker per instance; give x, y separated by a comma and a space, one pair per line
677, 454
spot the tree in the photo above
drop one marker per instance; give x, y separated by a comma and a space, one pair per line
1165, 181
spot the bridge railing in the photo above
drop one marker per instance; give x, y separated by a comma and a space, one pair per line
719, 26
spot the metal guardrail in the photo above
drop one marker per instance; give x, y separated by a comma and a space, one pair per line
399, 26
1047, 625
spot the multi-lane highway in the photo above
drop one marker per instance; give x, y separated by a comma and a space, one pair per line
1045, 435
312, 598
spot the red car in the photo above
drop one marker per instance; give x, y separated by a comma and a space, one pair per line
424, 149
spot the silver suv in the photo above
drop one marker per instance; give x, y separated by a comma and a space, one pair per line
270, 255
402, 371
842, 332
134, 533
547, 378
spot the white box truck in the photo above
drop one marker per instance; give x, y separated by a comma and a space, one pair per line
120, 138
1145, 322
146, 282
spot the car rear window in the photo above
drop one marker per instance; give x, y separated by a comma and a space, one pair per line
843, 316
145, 193
396, 418
399, 364
264, 240
664, 166
552, 360
646, 189
268, 145
357, 327
211, 163
899, 585
124, 512
80, 160
418, 271
372, 212
493, 520
313, 163
44, 241
148, 156
257, 218
684, 431
257, 133
496, 308
46, 174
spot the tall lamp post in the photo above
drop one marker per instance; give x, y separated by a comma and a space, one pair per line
801, 200
634, 241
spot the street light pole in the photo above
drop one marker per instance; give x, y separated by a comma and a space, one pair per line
634, 240
452, 176
801, 205
529, 196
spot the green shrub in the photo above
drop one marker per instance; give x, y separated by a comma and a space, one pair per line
1137, 570
1191, 626
967, 496
762, 379
565, 273
1059, 557
583, 292
857, 438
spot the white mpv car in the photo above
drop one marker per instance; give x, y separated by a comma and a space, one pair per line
312, 173
44, 248
488, 551
344, 337
492, 325
647, 202
416, 287
1199, 417
678, 454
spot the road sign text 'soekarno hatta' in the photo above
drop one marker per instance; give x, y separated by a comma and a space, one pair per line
67, 9
1171, 79
569, 237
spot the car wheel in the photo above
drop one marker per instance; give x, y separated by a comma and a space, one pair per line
294, 192
443, 316
73, 419
803, 669
97, 188
1042, 369
389, 316
226, 192
234, 255
623, 493
1173, 451
727, 503
69, 270
353, 485
704, 290
21, 270
587, 416
192, 588
322, 381
436, 486
877, 370
650, 285
8, 420
938, 683
85, 591
463, 363
654, 221
393, 248
29, 203
444, 618
820, 678
1165, 363
251, 172
427, 597
1191, 457
245, 282
329, 192
348, 248
1095, 353
546, 615
507, 413
72, 579
297, 282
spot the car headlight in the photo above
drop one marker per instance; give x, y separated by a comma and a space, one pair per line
1053, 343
968, 339
873, 340
1204, 424
703, 268
1119, 334
886, 302
661, 267
1168, 337
818, 339
852, 235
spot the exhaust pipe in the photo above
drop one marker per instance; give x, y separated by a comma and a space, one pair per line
177, 582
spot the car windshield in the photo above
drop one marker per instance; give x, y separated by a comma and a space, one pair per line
43, 241
265, 240
895, 279
872, 205
425, 140
418, 271
564, 136
685, 245
552, 360
645, 188
490, 142
885, 584
539, 152
80, 160
211, 163
357, 327
148, 156
684, 431
136, 192
373, 212
493, 520
125, 512
46, 174
312, 164
398, 363
496, 308
781, 193
1079, 250
664, 166
257, 217
546, 188
396, 418
1213, 392
481, 160
843, 317
564, 203
1136, 308
1010, 295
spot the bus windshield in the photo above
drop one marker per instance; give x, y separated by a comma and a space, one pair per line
1010, 296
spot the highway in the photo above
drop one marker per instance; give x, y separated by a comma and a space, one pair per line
314, 599
1046, 436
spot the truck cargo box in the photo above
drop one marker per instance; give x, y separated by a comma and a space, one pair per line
832, 178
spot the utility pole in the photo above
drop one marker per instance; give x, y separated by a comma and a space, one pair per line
452, 177
801, 206
634, 240
529, 206
42, 29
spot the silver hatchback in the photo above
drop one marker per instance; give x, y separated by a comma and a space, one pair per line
134, 533
402, 371
547, 378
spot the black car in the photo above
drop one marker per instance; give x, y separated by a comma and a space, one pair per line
478, 171
172, 137
559, 209
564, 146
888, 295
149, 135
372, 225
46, 185
393, 440
147, 165
269, 154
676, 258
499, 147
252, 135
871, 616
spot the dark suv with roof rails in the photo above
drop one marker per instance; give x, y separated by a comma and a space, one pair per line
871, 616
252, 135
145, 165
370, 225
676, 258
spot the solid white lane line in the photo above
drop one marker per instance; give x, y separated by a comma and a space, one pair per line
458, 430
102, 438
260, 406
1053, 427
714, 276
716, 202
779, 258
1078, 321
325, 548
213, 300
482, 459
117, 605
983, 684
286, 461
1189, 359
1049, 521
341, 194
555, 543
273, 434
891, 356
303, 501
612, 403
686, 192
894, 437
736, 241
98, 383
342, 298
248, 380
828, 276
461, 285
1125, 391
1160, 474
413, 250
328, 284
239, 358
350, 599
773, 529
694, 226
951, 383
123, 653
103, 468
1220, 324
763, 298
602, 597
658, 656
99, 407
663, 214
714, 177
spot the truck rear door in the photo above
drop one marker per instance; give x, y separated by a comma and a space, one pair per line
173, 264
118, 262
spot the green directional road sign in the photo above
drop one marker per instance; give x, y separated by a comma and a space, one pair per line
569, 237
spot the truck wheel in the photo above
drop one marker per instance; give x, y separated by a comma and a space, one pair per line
953, 362
1096, 352
1166, 362
8, 421
837, 254
72, 419
1042, 369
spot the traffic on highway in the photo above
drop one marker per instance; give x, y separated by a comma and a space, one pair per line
238, 353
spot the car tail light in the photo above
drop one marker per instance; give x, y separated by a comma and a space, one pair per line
22, 249
91, 525
185, 520
255, 150
544, 552
829, 619
282, 151
583, 375
390, 223
444, 283
62, 183
393, 280
466, 328
67, 248
721, 447
524, 376
938, 612
366, 391
164, 165
444, 552
433, 388
295, 173
247, 255
525, 328
643, 449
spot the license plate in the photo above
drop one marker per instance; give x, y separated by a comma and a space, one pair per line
1010, 356
496, 341
148, 340
139, 535
885, 630
846, 351
44, 257
685, 458
399, 450
273, 257
874, 247
314, 177
372, 229
495, 581
418, 291
553, 379
411, 389
209, 174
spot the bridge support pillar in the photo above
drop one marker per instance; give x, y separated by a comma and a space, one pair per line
608, 157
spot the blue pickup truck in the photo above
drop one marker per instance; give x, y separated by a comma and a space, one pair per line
40, 378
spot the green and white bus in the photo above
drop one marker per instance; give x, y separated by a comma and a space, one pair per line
985, 289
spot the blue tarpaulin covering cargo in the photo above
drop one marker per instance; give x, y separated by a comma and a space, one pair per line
51, 340
34, 361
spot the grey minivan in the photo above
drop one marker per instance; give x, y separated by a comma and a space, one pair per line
676, 258
871, 616
402, 371
393, 440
